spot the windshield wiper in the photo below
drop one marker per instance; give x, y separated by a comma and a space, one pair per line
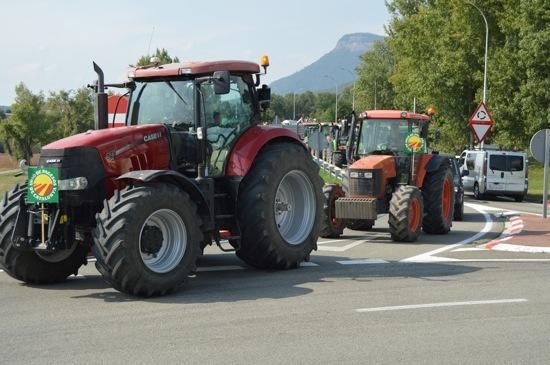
174, 90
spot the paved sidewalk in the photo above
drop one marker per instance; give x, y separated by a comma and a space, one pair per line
524, 233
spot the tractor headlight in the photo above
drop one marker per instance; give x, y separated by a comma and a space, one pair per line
76, 183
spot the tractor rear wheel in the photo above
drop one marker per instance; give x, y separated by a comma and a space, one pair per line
30, 266
439, 196
331, 227
147, 239
405, 215
280, 208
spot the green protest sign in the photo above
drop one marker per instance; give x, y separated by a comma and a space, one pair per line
43, 185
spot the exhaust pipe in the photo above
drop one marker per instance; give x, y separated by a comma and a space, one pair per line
101, 119
351, 140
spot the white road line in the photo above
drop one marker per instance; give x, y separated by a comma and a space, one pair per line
428, 256
362, 262
343, 248
308, 264
341, 240
437, 305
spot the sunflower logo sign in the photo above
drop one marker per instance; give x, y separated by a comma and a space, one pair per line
414, 143
42, 186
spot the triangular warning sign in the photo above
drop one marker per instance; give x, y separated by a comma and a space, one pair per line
481, 115
480, 131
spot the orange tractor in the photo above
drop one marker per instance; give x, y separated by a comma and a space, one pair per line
391, 172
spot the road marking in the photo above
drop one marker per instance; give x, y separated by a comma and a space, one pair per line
343, 248
341, 240
437, 305
428, 256
308, 264
498, 246
362, 262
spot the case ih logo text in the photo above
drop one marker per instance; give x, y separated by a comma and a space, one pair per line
43, 187
152, 136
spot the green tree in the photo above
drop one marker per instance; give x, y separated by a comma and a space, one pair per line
163, 56
26, 128
69, 112
376, 68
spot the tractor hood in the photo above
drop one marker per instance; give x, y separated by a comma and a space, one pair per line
375, 162
121, 149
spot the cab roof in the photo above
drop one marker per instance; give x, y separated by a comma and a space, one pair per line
193, 68
392, 114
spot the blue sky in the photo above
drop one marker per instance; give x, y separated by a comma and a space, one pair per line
50, 45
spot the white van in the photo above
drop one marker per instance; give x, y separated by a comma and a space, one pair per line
495, 172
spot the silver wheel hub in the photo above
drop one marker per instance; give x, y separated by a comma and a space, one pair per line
162, 241
295, 207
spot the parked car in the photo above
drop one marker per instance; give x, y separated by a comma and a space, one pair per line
495, 172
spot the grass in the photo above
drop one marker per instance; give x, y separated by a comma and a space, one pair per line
536, 180
8, 181
328, 178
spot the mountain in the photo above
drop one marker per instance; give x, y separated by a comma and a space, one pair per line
345, 56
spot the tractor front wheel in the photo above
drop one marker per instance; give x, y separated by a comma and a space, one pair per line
405, 215
439, 201
280, 208
30, 266
147, 239
331, 227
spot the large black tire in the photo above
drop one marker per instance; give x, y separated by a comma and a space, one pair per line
147, 239
360, 224
331, 227
280, 208
439, 201
406, 213
29, 266
459, 212
339, 158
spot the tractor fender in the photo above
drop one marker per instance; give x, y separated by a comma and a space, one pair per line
250, 143
429, 163
173, 177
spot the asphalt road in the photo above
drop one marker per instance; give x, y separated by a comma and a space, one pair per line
360, 300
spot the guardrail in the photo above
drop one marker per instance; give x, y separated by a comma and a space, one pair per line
330, 168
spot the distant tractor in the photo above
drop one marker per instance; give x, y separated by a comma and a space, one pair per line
191, 166
391, 173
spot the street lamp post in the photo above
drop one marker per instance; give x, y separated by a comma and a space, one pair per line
293, 106
353, 92
486, 48
336, 102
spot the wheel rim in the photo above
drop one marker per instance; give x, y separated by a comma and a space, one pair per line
446, 199
414, 215
295, 207
164, 255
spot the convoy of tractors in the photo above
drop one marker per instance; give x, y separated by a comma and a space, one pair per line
193, 166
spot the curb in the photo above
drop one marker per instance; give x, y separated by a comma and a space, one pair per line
513, 227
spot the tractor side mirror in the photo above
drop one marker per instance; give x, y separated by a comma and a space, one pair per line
464, 173
264, 96
221, 82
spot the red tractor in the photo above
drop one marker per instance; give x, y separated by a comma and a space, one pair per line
191, 166
391, 173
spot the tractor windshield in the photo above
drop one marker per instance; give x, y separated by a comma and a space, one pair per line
168, 102
379, 135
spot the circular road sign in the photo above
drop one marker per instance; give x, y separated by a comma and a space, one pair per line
538, 145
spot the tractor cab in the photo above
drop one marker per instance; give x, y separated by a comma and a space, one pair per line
203, 114
389, 132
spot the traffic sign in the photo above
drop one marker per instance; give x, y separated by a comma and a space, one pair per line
481, 122
539, 145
